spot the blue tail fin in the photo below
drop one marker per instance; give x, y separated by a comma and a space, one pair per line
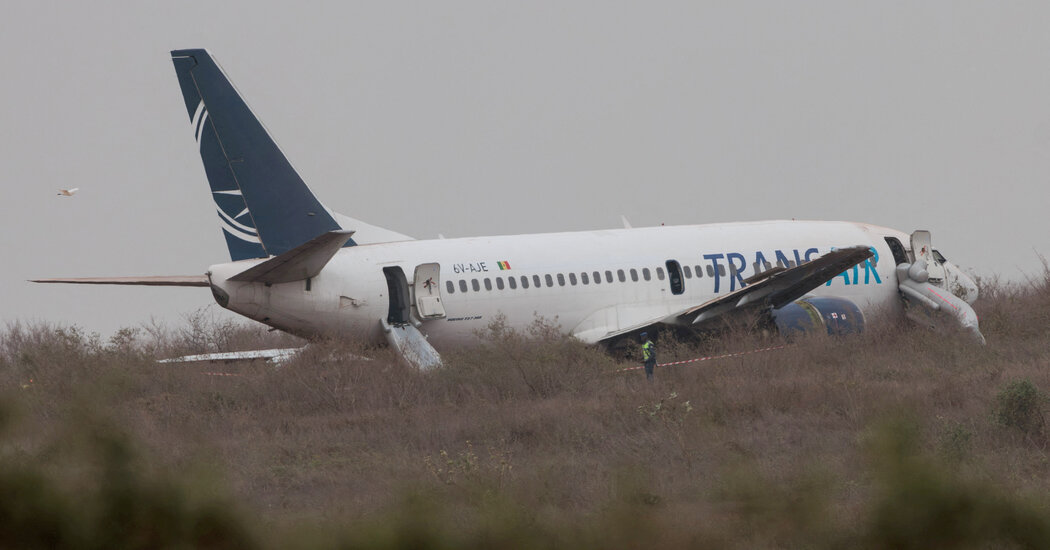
265, 207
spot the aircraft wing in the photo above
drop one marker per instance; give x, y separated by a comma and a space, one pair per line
778, 287
177, 280
768, 290
277, 355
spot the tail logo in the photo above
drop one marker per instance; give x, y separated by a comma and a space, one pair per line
230, 223
198, 121
229, 203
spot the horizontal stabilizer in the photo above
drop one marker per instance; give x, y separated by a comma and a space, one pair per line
301, 262
177, 280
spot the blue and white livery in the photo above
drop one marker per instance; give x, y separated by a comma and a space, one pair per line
301, 268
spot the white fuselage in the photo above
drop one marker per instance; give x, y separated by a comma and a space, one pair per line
351, 294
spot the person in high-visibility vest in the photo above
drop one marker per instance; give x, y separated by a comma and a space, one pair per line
648, 355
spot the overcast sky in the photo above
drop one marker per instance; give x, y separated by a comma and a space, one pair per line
489, 118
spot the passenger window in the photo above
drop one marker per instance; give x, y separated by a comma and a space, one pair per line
549, 279
634, 275
608, 276
512, 282
722, 270
572, 279
597, 278
451, 288
462, 286
660, 273
561, 280
524, 281
488, 284
499, 283
646, 274
710, 271
699, 272
687, 272
536, 281
474, 284
621, 275
584, 279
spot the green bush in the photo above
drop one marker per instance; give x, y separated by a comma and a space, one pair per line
1017, 406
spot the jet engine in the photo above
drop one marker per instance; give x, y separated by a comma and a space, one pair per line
817, 313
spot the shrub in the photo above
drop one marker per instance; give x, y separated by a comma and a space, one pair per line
1017, 406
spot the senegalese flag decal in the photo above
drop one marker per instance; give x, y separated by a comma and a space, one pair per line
503, 265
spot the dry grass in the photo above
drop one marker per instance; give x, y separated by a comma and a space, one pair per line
895, 438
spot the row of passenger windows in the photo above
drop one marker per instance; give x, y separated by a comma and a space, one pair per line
537, 281
573, 279
595, 277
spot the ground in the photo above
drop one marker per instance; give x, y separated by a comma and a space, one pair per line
899, 437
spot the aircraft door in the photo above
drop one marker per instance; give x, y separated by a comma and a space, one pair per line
427, 287
397, 287
922, 249
900, 256
674, 276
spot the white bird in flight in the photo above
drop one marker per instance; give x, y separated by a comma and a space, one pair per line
68, 192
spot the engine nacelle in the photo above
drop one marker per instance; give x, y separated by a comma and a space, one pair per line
835, 315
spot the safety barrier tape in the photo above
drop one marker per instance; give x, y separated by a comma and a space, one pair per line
708, 358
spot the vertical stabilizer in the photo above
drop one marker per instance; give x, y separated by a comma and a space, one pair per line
264, 206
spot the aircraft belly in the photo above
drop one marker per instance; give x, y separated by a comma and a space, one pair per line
324, 310
466, 319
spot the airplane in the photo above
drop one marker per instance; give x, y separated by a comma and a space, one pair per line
300, 267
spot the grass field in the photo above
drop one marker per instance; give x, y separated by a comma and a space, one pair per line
896, 438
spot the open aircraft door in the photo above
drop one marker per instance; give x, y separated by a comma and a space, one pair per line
427, 287
922, 249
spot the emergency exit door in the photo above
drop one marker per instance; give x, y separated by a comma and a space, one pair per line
922, 249
427, 289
